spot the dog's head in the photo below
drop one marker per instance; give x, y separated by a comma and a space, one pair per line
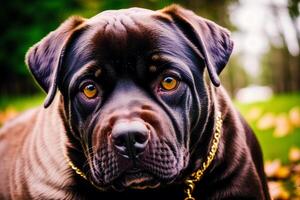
135, 98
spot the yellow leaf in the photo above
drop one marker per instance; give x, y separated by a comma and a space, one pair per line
7, 114
296, 180
296, 168
2, 118
271, 167
254, 114
267, 121
282, 126
294, 154
277, 191
294, 116
297, 193
282, 172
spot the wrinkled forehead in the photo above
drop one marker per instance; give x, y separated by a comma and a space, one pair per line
129, 29
121, 15
125, 37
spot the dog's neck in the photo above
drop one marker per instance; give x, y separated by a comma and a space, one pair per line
50, 173
202, 134
196, 176
217, 111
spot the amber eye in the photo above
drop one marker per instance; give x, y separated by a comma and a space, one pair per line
90, 91
169, 83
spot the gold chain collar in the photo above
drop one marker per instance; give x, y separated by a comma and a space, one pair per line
197, 175
76, 169
81, 173
194, 177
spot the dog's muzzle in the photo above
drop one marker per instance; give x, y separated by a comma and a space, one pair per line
130, 138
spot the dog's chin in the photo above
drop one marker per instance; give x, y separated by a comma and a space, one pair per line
138, 180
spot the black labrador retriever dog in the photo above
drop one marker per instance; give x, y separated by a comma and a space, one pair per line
129, 113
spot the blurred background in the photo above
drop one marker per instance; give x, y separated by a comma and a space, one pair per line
263, 75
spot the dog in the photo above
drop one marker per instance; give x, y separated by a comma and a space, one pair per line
134, 109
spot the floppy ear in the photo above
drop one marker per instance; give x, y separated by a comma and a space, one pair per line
212, 40
44, 58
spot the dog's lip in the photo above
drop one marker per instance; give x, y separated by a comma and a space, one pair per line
137, 179
133, 170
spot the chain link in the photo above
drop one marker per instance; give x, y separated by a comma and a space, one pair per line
196, 176
76, 169
81, 173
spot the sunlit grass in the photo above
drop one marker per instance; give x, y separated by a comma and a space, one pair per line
20, 103
277, 104
274, 147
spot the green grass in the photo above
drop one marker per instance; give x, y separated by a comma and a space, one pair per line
20, 103
277, 104
275, 147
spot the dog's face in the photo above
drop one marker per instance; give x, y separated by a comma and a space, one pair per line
134, 94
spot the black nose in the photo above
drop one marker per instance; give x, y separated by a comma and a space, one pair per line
130, 138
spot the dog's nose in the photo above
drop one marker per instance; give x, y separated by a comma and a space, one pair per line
130, 138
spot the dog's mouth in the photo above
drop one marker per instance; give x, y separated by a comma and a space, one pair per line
156, 167
136, 179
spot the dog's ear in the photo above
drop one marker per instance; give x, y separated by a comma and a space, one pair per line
212, 40
44, 58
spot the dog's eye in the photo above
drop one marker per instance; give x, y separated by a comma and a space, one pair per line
90, 90
169, 83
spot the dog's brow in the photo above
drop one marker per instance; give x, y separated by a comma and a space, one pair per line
90, 67
174, 61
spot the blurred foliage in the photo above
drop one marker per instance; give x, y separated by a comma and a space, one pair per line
282, 71
293, 6
23, 23
276, 107
20, 103
229, 77
280, 65
276, 123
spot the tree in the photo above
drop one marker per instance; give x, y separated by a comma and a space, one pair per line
283, 62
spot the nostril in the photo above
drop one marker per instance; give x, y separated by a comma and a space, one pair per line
130, 138
141, 137
119, 139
